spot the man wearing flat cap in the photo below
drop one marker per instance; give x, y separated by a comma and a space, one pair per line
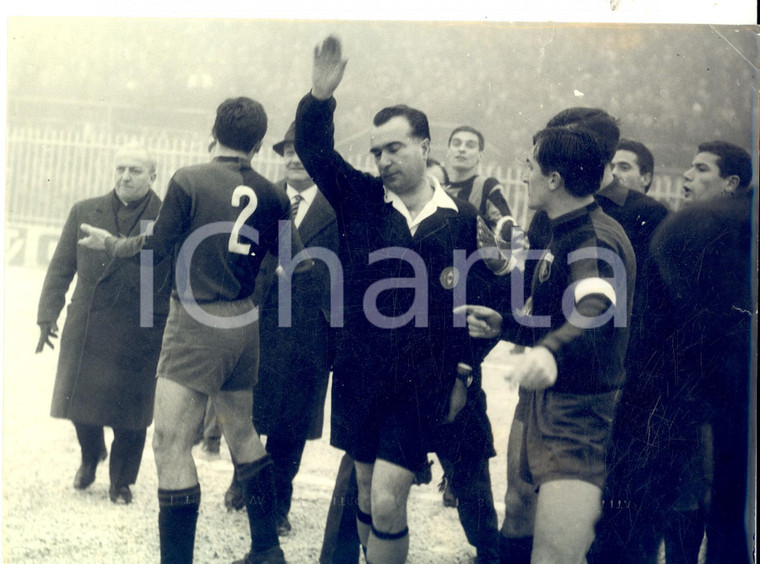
295, 361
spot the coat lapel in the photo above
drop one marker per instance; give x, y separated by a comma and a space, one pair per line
151, 210
103, 215
318, 216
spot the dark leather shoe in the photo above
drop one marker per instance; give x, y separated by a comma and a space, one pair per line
272, 556
120, 492
283, 527
84, 476
449, 499
233, 497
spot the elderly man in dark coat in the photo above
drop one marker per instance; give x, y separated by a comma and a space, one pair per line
295, 361
114, 324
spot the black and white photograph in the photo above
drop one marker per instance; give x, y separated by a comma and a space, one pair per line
373, 290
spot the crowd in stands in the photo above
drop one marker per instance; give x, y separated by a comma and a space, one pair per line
172, 73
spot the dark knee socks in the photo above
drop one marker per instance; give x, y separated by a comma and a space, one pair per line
387, 548
257, 481
177, 516
363, 526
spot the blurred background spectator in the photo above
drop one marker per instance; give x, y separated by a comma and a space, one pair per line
80, 86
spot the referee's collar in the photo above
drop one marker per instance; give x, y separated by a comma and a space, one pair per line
439, 199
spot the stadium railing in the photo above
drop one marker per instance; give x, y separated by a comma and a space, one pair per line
49, 168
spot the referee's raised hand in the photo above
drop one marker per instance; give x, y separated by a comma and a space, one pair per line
329, 65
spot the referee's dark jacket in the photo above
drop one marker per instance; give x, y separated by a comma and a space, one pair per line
411, 359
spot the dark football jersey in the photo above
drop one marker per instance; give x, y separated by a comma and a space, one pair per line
218, 221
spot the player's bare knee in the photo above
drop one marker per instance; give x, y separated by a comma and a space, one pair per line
364, 499
548, 550
364, 485
388, 511
168, 444
364, 482
239, 434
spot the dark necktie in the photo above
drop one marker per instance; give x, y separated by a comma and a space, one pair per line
294, 203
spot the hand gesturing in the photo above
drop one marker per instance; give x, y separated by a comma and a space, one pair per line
488, 248
482, 322
48, 330
95, 238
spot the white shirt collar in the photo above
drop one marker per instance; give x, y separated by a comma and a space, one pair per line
308, 195
440, 199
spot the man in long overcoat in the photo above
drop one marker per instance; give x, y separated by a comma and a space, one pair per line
112, 335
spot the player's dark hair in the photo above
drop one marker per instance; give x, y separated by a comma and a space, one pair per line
241, 123
575, 154
469, 129
432, 162
644, 157
417, 119
601, 124
732, 159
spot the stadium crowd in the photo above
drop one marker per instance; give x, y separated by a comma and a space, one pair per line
501, 70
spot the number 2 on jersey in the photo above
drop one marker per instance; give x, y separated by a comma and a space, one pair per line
235, 246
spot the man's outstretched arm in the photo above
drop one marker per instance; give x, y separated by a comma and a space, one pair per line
344, 187
171, 223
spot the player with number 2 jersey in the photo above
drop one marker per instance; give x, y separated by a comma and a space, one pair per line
218, 221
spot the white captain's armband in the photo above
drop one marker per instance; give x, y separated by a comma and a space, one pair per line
614, 288
590, 286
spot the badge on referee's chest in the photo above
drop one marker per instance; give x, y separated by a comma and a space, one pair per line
449, 277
